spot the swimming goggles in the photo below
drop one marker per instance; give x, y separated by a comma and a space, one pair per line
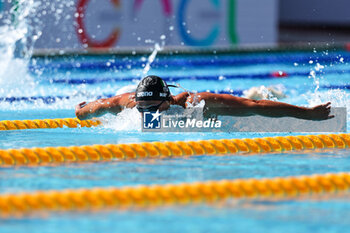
152, 108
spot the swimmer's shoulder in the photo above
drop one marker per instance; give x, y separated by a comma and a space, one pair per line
187, 97
184, 98
181, 99
125, 99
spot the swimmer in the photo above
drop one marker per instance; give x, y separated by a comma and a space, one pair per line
262, 92
153, 94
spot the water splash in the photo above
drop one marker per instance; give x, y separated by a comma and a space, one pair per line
127, 120
338, 98
317, 69
17, 37
275, 93
151, 58
190, 102
126, 89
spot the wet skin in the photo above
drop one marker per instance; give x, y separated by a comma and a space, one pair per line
217, 104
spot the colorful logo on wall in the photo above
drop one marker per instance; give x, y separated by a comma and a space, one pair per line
183, 29
166, 4
214, 33
167, 8
83, 36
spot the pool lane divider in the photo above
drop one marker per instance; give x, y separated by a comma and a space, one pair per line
45, 99
54, 99
47, 124
155, 150
269, 75
272, 75
175, 61
324, 186
178, 78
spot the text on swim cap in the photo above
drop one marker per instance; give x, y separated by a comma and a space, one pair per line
144, 93
162, 94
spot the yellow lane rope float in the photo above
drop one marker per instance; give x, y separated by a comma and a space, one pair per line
94, 153
16, 205
47, 123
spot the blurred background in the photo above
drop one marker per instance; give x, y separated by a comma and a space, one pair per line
82, 24
288, 50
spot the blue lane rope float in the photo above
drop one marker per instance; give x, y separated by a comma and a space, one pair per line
165, 78
268, 75
54, 99
188, 61
44, 99
174, 79
341, 87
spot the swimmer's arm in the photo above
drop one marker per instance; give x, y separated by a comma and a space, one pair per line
85, 111
224, 104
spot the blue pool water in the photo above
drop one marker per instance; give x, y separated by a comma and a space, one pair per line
80, 78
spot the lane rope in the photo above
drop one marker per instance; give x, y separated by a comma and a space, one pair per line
141, 197
185, 51
54, 99
273, 75
47, 124
97, 153
195, 61
45, 99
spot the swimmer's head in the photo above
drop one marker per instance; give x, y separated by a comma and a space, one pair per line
152, 88
152, 94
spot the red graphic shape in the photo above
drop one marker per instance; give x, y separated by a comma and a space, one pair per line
165, 3
83, 36
279, 74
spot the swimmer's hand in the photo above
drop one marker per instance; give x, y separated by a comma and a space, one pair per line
320, 112
81, 105
85, 111
78, 108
